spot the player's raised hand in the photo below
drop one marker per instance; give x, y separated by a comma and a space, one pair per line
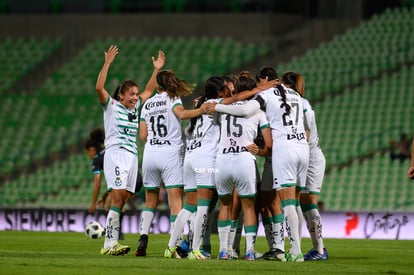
111, 53
160, 61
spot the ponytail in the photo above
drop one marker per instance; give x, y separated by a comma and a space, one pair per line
283, 94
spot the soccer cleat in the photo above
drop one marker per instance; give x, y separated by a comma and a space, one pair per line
181, 252
250, 257
206, 251
116, 250
314, 255
290, 258
232, 254
257, 254
196, 255
325, 252
275, 255
171, 253
142, 246
223, 255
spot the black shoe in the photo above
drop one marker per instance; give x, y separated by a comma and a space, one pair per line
181, 252
275, 255
142, 246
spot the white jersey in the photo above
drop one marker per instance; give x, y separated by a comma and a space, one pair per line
310, 124
121, 125
238, 132
287, 129
164, 127
205, 136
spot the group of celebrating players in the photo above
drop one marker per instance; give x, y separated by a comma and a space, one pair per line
233, 121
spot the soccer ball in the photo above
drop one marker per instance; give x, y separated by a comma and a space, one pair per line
94, 230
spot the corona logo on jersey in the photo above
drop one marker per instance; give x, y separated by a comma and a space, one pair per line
151, 105
234, 148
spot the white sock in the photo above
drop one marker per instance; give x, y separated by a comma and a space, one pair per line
232, 234
223, 228
279, 231
209, 225
112, 228
267, 225
200, 226
146, 220
191, 223
300, 219
250, 232
314, 224
178, 228
292, 228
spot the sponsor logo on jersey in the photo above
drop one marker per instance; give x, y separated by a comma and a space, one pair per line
194, 144
295, 135
153, 104
155, 141
299, 136
130, 131
235, 149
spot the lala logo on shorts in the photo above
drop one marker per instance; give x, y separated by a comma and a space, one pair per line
118, 181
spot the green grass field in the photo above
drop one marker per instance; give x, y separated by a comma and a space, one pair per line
72, 253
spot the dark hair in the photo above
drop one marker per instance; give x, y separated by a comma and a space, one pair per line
124, 86
96, 139
213, 86
271, 74
294, 81
229, 78
268, 72
245, 82
173, 85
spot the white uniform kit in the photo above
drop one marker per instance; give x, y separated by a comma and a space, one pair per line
235, 165
162, 153
290, 147
317, 162
201, 152
121, 157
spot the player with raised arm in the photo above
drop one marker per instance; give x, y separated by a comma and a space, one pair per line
284, 110
160, 127
236, 169
121, 155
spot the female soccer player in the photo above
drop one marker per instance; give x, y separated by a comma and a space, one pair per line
316, 171
284, 110
121, 156
160, 127
236, 169
199, 163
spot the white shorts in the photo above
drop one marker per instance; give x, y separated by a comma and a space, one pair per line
291, 166
235, 173
267, 175
316, 171
162, 166
120, 169
199, 172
